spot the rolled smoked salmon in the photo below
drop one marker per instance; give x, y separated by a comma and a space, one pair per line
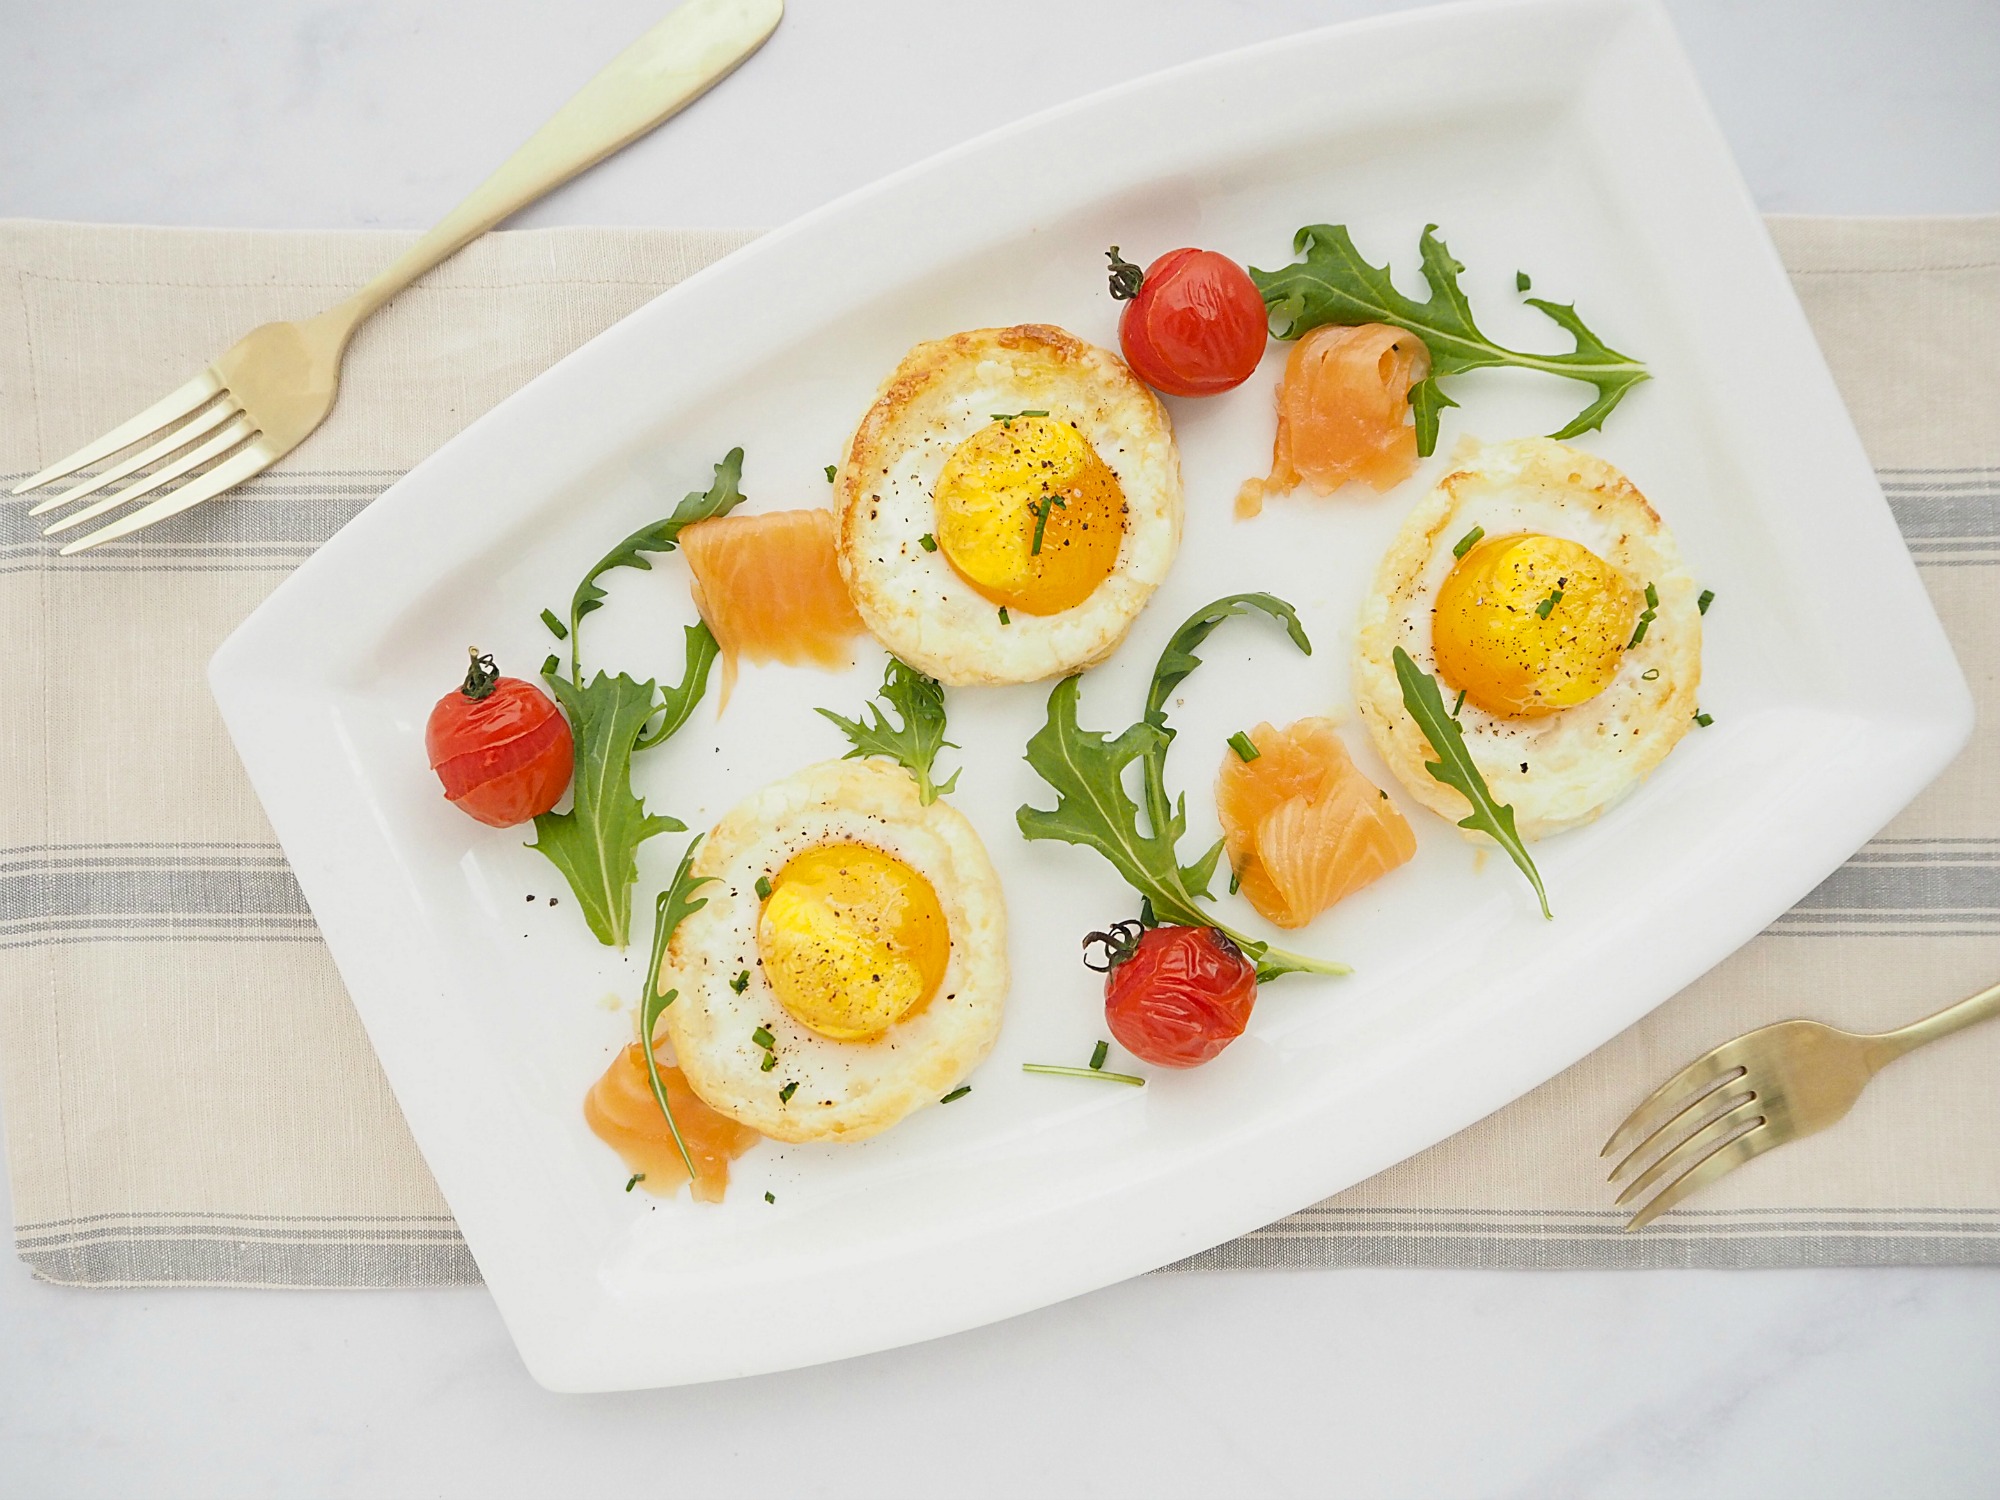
1344, 412
770, 588
622, 1112
1303, 827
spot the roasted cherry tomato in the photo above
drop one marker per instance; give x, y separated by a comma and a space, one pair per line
1194, 323
502, 751
1174, 996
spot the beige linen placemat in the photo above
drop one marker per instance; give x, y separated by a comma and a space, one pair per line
189, 1098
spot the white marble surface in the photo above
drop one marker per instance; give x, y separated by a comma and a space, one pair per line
378, 112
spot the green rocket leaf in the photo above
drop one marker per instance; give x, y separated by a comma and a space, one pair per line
918, 701
721, 497
1454, 767
1332, 282
596, 843
674, 905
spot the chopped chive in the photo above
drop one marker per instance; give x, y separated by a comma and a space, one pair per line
1459, 704
634, 1180
927, 542
1704, 720
830, 472
1042, 508
958, 1093
1003, 615
1555, 598
763, 1038
1639, 630
1467, 542
1652, 598
785, 1093
550, 665
1235, 881
769, 1196
1521, 282
1707, 598
1101, 1051
556, 627
1006, 418
741, 982
770, 1061
763, 888
1059, 1072
1246, 749
1649, 674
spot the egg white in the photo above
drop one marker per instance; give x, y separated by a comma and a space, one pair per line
943, 392
846, 1090
1565, 768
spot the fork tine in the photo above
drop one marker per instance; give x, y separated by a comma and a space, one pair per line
204, 387
1704, 1072
1741, 1112
1678, 1123
1730, 1155
230, 472
173, 442
238, 431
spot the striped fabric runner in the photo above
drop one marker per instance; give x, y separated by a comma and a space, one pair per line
161, 978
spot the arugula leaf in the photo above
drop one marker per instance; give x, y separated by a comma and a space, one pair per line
595, 844
675, 904
1093, 808
723, 496
678, 702
1086, 769
1455, 768
1333, 283
919, 702
1176, 661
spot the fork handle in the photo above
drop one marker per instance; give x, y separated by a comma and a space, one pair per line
1970, 1011
667, 69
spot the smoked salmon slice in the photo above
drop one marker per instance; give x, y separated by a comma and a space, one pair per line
770, 588
1302, 826
621, 1112
1344, 412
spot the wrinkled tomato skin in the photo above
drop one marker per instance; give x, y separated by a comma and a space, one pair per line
504, 758
1197, 327
1183, 995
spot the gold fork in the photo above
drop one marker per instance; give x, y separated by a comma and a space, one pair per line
263, 396
1769, 1086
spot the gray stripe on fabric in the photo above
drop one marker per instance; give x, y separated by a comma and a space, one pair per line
193, 1215
200, 1261
1954, 880
139, 892
278, 520
292, 514
1941, 513
1439, 1222
1652, 1249
79, 884
232, 1233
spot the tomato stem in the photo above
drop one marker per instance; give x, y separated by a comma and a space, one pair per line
1126, 278
482, 678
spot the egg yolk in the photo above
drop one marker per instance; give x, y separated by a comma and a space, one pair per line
1030, 515
1528, 625
853, 940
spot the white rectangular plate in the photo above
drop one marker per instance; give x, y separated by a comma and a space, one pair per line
1563, 137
